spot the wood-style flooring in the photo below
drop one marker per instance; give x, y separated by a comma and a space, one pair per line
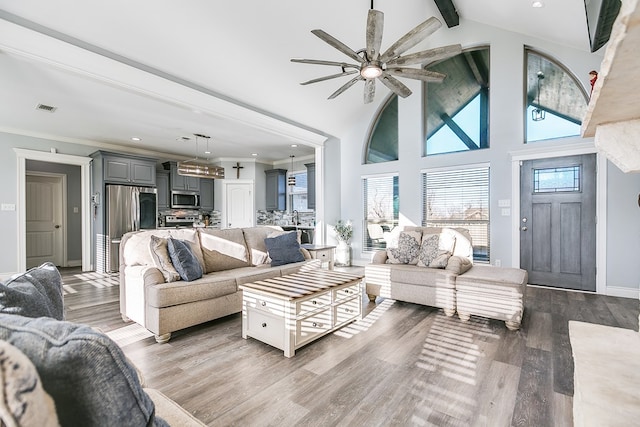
402, 364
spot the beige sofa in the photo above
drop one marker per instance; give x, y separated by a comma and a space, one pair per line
230, 258
421, 285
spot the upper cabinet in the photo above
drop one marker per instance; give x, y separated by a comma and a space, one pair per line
311, 185
206, 194
181, 182
276, 191
124, 169
162, 181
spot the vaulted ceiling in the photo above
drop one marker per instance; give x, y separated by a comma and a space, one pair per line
160, 69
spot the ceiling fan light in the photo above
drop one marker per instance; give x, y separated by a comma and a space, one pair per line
371, 71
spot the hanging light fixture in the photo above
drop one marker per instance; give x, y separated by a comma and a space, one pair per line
291, 180
198, 169
538, 114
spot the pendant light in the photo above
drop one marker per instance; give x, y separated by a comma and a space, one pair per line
538, 114
291, 180
198, 169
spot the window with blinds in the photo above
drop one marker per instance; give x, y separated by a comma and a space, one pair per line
381, 210
459, 198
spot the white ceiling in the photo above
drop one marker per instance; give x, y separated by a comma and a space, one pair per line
163, 69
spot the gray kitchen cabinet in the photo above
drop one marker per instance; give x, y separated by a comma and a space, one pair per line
181, 182
276, 191
162, 183
311, 185
124, 169
206, 194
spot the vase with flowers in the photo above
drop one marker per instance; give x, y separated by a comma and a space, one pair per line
344, 232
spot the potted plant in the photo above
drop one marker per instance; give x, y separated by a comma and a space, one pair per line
344, 232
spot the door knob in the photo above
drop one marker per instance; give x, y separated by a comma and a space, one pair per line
524, 228
56, 226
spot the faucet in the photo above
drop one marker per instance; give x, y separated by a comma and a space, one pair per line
295, 217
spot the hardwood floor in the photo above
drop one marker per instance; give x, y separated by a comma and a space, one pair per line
403, 364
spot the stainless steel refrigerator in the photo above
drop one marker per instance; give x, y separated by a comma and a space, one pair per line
127, 209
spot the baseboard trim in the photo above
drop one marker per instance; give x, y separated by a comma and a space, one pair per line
74, 263
618, 291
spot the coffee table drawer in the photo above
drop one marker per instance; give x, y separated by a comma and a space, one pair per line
318, 302
263, 303
266, 327
310, 327
347, 311
345, 293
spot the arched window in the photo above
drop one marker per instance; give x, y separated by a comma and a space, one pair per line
457, 110
383, 140
555, 99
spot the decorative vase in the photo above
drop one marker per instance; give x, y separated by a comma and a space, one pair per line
343, 254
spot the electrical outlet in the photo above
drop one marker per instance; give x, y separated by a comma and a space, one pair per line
497, 263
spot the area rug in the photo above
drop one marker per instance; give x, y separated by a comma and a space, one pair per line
606, 375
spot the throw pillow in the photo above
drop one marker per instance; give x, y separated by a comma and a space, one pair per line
428, 249
223, 249
284, 249
23, 401
35, 293
83, 370
441, 260
408, 248
184, 260
447, 240
161, 259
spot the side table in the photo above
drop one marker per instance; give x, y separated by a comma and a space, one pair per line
324, 253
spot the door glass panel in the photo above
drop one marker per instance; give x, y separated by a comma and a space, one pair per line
554, 180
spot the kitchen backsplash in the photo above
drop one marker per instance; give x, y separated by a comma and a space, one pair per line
284, 218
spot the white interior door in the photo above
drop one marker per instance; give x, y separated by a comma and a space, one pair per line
45, 230
238, 204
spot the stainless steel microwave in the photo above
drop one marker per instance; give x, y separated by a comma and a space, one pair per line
185, 200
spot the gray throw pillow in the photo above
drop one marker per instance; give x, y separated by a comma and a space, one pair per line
184, 260
284, 249
83, 370
35, 293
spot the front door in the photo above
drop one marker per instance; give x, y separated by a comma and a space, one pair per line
558, 221
44, 213
239, 210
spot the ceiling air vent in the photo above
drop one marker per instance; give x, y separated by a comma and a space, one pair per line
47, 108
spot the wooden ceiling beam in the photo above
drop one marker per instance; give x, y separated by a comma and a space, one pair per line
448, 12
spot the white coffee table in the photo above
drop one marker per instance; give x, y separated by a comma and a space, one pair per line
290, 311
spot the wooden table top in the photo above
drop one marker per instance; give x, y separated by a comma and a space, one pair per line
302, 284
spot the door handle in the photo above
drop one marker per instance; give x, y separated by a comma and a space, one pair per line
524, 228
56, 226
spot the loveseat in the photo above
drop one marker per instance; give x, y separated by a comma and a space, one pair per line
422, 269
434, 266
154, 295
54, 372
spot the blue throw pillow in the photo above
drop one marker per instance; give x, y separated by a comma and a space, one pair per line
83, 370
184, 260
284, 249
36, 293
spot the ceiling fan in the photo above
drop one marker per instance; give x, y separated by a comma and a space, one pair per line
371, 64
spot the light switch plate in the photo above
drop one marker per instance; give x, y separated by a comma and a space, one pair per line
8, 207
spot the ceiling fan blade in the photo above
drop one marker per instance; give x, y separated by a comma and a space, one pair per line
322, 62
418, 74
375, 24
332, 76
427, 56
332, 41
411, 39
369, 90
395, 85
346, 86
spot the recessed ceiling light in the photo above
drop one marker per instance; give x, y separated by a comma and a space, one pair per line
537, 3
254, 154
294, 145
135, 138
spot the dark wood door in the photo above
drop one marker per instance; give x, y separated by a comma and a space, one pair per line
558, 221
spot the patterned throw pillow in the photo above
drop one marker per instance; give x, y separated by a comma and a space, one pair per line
408, 248
429, 249
441, 260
